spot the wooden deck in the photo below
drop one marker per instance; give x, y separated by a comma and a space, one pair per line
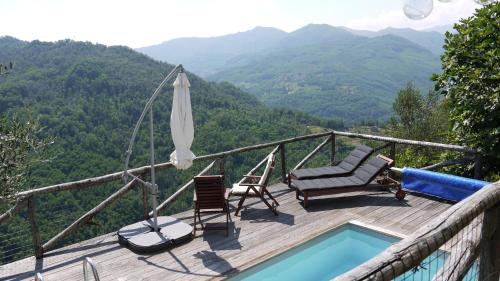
255, 235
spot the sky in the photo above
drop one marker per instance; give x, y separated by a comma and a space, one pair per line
139, 23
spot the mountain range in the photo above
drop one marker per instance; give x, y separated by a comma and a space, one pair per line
320, 69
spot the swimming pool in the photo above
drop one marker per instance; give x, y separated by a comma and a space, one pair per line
324, 257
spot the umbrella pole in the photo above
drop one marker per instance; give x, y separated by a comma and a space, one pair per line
154, 187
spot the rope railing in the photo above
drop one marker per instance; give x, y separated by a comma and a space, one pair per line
26, 199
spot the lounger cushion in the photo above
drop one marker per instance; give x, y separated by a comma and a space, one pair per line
238, 189
351, 162
362, 176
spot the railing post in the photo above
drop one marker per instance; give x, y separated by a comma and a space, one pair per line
392, 155
283, 163
477, 166
489, 261
333, 143
35, 233
222, 161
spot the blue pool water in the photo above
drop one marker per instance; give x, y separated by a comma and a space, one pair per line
326, 256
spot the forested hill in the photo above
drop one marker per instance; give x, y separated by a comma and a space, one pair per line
331, 72
320, 69
89, 97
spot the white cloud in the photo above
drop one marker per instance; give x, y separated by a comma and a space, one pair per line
442, 14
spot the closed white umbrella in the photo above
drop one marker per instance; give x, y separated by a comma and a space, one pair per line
181, 124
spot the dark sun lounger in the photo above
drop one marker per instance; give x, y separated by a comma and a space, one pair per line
346, 167
359, 180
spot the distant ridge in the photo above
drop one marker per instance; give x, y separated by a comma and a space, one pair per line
320, 69
207, 55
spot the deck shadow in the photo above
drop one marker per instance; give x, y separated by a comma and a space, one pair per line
184, 271
266, 215
354, 201
213, 262
217, 240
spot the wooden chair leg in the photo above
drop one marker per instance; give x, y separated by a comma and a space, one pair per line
194, 225
199, 218
271, 196
261, 195
227, 220
305, 200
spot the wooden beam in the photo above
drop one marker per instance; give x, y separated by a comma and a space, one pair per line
462, 255
447, 163
284, 177
20, 204
88, 216
334, 143
181, 190
261, 163
412, 250
35, 232
409, 142
145, 169
477, 166
312, 153
489, 262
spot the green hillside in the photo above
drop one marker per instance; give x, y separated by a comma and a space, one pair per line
90, 96
335, 75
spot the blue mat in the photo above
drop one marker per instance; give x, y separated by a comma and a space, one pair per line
449, 187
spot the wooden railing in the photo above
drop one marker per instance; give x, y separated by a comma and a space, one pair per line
469, 231
26, 199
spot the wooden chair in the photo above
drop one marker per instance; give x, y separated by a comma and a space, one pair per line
256, 186
210, 196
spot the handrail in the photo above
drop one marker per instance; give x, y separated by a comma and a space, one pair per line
409, 142
86, 263
145, 169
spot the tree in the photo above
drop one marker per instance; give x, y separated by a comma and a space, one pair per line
470, 79
20, 148
419, 117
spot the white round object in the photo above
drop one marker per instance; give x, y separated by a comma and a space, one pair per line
484, 2
417, 9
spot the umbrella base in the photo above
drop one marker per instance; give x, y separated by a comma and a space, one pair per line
140, 236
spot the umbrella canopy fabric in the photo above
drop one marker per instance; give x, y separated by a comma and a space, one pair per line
181, 124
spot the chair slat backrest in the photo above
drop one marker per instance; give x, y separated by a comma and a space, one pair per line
271, 161
210, 191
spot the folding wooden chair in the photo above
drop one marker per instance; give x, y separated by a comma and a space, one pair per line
256, 186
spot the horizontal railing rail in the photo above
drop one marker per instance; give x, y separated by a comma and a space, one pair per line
26, 199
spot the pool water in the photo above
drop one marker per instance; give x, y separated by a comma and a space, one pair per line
325, 257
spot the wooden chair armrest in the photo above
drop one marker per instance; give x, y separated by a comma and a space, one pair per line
251, 184
252, 176
390, 162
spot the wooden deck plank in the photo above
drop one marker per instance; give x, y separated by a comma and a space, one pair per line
256, 235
